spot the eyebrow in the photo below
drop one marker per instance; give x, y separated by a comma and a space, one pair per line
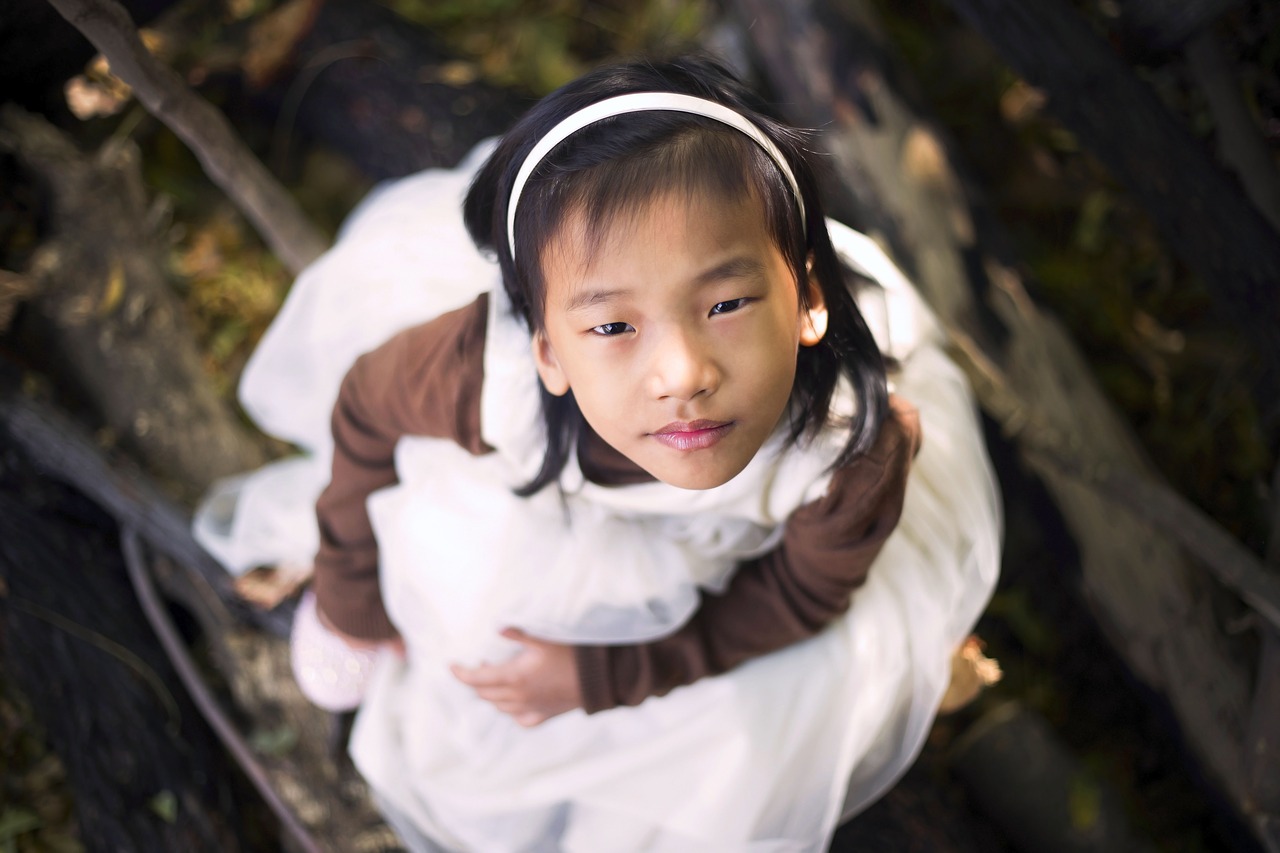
586, 298
739, 267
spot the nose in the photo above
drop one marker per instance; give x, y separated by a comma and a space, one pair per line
683, 367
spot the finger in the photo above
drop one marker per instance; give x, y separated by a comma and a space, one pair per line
528, 719
484, 675
512, 709
517, 635
499, 694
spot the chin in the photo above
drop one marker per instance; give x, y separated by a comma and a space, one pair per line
696, 481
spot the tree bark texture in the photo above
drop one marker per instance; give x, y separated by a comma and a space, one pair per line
1164, 24
40, 51
1153, 605
64, 453
106, 319
1015, 766
225, 158
381, 92
145, 770
1199, 210
297, 758
919, 815
1263, 740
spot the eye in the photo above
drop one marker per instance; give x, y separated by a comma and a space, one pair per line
610, 330
729, 306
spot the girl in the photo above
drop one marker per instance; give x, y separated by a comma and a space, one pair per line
595, 553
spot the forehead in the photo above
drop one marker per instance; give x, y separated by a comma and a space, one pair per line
673, 229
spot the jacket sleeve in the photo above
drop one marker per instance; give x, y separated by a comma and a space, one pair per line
425, 381
778, 599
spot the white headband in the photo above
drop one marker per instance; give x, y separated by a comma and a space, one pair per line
641, 102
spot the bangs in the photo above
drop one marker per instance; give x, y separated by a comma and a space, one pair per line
697, 164
690, 160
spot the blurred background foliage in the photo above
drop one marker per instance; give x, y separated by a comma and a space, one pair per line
232, 284
1143, 320
542, 45
1177, 374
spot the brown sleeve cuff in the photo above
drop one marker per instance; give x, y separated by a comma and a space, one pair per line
594, 678
371, 624
352, 603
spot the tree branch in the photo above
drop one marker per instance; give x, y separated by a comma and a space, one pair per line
183, 663
225, 158
64, 453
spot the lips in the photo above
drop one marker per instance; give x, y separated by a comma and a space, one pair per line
692, 435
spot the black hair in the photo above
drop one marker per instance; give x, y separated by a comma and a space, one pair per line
617, 165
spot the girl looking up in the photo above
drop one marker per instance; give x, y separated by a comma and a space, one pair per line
628, 540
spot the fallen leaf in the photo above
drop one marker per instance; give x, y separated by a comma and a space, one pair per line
971, 673
1084, 802
269, 585
87, 98
16, 821
165, 805
98, 92
114, 291
274, 742
272, 40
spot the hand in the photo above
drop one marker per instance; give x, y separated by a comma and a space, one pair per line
540, 682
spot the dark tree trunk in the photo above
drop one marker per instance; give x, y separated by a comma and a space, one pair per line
146, 772
1201, 212
1015, 766
1164, 24
105, 321
378, 89
318, 798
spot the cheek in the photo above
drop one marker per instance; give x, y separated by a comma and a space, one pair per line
782, 380
600, 390
774, 367
774, 343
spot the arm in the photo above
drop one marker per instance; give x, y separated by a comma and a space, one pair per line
780, 598
426, 382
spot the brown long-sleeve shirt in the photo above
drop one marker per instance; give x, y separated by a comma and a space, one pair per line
426, 382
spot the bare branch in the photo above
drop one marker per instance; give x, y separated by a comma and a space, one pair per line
176, 650
225, 158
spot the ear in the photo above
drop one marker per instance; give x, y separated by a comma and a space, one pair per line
813, 321
549, 371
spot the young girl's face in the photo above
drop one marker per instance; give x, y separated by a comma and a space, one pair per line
677, 333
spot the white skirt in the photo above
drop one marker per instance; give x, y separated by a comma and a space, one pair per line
766, 757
